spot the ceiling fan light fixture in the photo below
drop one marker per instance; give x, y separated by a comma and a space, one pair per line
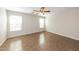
42, 10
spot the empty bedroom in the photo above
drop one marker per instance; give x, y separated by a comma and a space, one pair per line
39, 28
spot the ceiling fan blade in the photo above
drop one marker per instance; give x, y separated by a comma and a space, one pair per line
47, 11
36, 10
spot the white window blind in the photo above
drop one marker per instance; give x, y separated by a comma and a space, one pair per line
41, 21
15, 23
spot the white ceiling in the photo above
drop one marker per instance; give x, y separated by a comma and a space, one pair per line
21, 9
29, 10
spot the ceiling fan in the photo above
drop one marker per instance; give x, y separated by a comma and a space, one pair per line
42, 10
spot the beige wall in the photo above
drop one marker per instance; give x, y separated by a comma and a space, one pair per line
64, 21
3, 25
30, 24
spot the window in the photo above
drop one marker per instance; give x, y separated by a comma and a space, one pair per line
41, 22
15, 23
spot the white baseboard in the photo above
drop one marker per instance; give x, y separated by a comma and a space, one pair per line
65, 35
2, 41
23, 34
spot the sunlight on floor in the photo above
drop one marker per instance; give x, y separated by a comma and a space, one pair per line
42, 39
16, 45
